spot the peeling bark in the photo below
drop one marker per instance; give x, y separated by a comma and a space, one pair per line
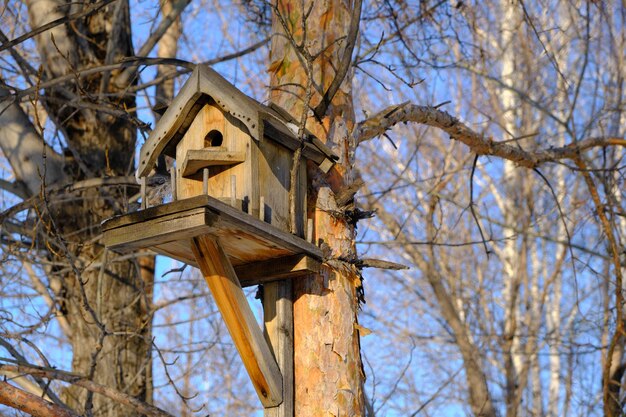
328, 371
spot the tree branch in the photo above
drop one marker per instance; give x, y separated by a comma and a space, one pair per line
344, 65
120, 397
30, 403
29, 156
132, 61
478, 143
166, 22
43, 28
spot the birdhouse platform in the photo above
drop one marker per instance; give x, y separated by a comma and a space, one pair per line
258, 251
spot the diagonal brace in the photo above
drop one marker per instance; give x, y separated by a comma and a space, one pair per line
240, 321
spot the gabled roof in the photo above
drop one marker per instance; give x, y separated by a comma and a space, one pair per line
204, 86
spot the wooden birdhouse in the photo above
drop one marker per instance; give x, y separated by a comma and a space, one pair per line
229, 213
233, 148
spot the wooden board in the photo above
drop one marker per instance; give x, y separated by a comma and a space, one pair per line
278, 319
197, 159
255, 353
167, 229
276, 269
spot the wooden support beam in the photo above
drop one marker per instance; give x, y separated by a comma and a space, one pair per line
239, 319
286, 267
278, 317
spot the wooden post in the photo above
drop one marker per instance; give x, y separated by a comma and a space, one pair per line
309, 230
173, 182
240, 321
262, 208
278, 317
144, 201
233, 190
205, 181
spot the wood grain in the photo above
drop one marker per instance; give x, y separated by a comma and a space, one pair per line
278, 318
197, 159
199, 215
240, 321
287, 267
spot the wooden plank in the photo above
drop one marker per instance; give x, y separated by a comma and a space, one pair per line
287, 139
276, 269
274, 166
278, 318
148, 233
154, 212
184, 219
197, 159
239, 319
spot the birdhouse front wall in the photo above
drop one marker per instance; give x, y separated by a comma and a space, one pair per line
219, 142
258, 172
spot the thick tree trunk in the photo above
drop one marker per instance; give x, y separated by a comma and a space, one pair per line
328, 372
107, 308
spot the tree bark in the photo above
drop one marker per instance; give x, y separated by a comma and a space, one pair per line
30, 403
328, 372
107, 308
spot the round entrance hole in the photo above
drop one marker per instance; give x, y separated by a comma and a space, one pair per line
213, 138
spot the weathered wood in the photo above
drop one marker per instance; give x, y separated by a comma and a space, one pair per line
309, 230
206, 85
208, 118
173, 184
233, 190
249, 273
197, 159
245, 238
154, 212
236, 139
278, 318
287, 139
287, 267
205, 181
144, 201
239, 319
175, 226
274, 166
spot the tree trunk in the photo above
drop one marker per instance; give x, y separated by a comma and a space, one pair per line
328, 372
107, 308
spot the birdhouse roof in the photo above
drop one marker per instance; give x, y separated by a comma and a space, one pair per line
206, 86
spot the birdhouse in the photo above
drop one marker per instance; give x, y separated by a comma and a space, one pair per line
229, 212
233, 148
232, 155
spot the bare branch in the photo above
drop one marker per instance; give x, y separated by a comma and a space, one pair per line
380, 264
30, 403
478, 143
30, 157
120, 397
166, 22
87, 12
345, 63
132, 61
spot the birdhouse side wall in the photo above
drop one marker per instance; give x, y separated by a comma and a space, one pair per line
275, 164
